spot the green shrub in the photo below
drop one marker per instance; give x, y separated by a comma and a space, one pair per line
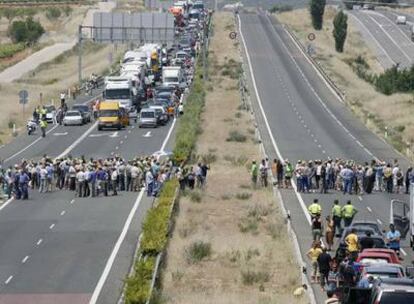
280, 8
236, 136
9, 49
250, 277
138, 286
197, 251
195, 196
53, 13
243, 196
28, 31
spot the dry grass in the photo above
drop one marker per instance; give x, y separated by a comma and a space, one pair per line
130, 5
374, 108
242, 267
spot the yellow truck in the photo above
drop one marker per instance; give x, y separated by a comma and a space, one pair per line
112, 115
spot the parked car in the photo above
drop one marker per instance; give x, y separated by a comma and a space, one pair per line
361, 225
401, 20
370, 258
85, 111
391, 253
148, 117
162, 114
50, 113
392, 291
383, 271
73, 117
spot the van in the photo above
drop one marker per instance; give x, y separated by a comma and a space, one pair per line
148, 117
401, 20
111, 115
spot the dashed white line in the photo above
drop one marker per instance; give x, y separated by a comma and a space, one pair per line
51, 226
323, 151
39, 242
121, 142
369, 209
72, 201
403, 252
379, 221
112, 153
360, 198
63, 212
315, 140
319, 146
129, 131
116, 148
126, 136
25, 259
8, 280
312, 135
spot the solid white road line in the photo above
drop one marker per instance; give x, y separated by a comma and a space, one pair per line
25, 259
164, 144
30, 145
302, 203
39, 242
78, 141
379, 221
403, 252
360, 198
8, 280
6, 203
114, 252
72, 201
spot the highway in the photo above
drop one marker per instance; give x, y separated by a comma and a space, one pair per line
391, 42
300, 118
57, 248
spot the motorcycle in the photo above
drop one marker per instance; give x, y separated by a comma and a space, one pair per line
31, 127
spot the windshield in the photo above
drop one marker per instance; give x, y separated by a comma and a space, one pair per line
108, 113
198, 6
50, 108
373, 261
81, 108
72, 114
194, 15
117, 94
171, 79
147, 114
398, 297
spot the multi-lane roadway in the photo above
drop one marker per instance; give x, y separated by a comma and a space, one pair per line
301, 118
57, 248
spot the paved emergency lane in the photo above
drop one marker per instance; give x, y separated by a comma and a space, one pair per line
294, 98
390, 41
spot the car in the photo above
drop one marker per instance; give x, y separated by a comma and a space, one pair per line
360, 225
401, 20
148, 117
73, 117
393, 256
383, 271
85, 111
164, 88
50, 113
369, 258
181, 57
392, 291
162, 114
171, 97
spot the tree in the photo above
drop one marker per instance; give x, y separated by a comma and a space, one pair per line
317, 9
28, 31
340, 29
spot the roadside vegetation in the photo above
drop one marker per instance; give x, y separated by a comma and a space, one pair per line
359, 75
229, 243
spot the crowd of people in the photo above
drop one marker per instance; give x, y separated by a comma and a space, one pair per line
335, 175
333, 272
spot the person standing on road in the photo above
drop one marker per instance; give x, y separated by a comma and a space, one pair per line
408, 179
330, 232
348, 212
288, 170
388, 178
366, 241
347, 176
352, 244
315, 208
50, 173
43, 126
80, 182
114, 181
149, 181
43, 179
313, 255
24, 184
337, 217
393, 239
317, 228
324, 264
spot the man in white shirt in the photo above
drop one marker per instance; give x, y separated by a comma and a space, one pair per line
43, 179
80, 182
114, 180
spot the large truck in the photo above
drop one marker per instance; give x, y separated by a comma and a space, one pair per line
172, 76
120, 89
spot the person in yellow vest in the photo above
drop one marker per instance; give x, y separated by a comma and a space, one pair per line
315, 209
337, 217
43, 126
42, 113
348, 212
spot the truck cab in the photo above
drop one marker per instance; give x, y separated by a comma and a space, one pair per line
119, 89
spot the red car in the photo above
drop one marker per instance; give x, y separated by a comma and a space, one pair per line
393, 255
378, 256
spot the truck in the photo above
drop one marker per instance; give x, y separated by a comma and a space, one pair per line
112, 115
120, 89
172, 76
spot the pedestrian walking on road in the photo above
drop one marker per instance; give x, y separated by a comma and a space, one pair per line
43, 126
315, 208
337, 217
324, 264
330, 232
288, 170
317, 228
348, 212
313, 255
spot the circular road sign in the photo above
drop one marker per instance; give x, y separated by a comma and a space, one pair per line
233, 35
311, 36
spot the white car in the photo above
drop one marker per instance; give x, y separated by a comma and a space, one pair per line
50, 113
72, 118
401, 20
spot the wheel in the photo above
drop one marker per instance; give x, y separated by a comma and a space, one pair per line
119, 127
99, 128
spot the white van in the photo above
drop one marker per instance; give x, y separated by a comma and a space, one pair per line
401, 20
148, 117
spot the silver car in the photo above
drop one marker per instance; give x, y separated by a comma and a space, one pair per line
72, 118
148, 117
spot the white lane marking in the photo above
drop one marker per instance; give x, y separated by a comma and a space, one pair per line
148, 134
116, 148
369, 209
115, 250
60, 134
30, 145
129, 131
51, 226
121, 142
78, 141
8, 280
6, 203
115, 134
72, 201
379, 221
63, 212
164, 144
126, 136
403, 252
39, 242
112, 153
301, 202
98, 135
323, 151
360, 198
25, 259
373, 38
396, 26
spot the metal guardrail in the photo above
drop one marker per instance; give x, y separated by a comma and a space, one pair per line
316, 64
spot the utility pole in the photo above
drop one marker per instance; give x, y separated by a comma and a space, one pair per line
80, 54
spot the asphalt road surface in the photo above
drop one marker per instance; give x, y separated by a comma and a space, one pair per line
289, 95
55, 248
391, 42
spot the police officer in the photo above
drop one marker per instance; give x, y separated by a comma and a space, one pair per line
315, 209
337, 217
24, 184
43, 126
348, 212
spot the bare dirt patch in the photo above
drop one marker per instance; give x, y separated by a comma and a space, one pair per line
250, 258
375, 109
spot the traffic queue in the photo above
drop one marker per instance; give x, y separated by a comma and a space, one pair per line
150, 84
